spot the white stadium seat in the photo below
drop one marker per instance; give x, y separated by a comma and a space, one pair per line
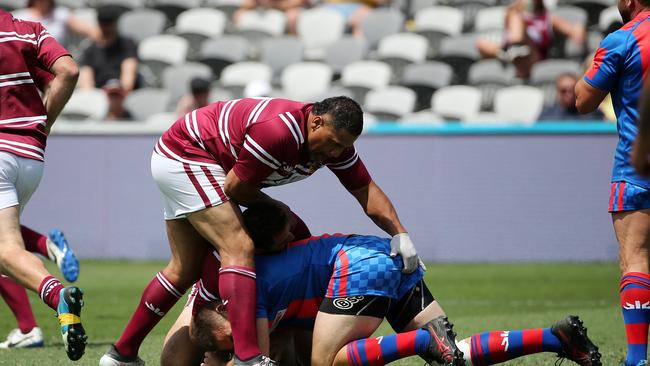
457, 102
519, 104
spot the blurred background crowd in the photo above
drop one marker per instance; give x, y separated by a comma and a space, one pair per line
413, 61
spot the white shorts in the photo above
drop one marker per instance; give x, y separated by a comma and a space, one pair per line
19, 178
187, 188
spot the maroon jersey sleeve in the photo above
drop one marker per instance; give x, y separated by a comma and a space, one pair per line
48, 49
266, 146
350, 170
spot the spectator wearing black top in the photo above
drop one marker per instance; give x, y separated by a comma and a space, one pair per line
111, 57
564, 108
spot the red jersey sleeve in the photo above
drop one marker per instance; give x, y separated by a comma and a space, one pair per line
350, 170
48, 49
266, 146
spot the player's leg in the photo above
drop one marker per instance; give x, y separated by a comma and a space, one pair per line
163, 291
19, 178
633, 233
178, 348
222, 226
27, 334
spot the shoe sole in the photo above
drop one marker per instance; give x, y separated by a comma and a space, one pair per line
76, 339
578, 328
69, 263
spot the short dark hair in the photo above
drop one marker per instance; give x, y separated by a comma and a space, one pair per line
345, 112
108, 14
199, 85
264, 221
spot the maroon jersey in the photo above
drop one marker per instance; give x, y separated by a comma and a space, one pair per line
26, 51
262, 139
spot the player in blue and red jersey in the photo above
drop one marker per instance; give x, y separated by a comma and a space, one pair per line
341, 287
620, 67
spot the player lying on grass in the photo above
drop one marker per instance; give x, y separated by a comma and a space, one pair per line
55, 248
341, 287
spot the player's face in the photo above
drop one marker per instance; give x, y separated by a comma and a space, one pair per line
326, 142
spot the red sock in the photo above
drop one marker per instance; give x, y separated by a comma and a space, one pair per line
34, 242
237, 287
16, 298
158, 297
635, 297
49, 291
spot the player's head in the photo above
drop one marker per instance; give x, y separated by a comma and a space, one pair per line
334, 125
210, 329
629, 8
269, 225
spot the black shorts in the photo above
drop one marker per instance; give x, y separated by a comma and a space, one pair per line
368, 305
403, 311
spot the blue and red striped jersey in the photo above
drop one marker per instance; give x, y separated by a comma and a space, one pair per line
620, 67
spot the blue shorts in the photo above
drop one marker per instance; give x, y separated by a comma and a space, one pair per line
626, 196
365, 267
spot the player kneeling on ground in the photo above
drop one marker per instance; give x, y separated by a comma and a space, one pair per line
338, 288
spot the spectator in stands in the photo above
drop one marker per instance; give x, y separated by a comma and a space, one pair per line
354, 11
199, 97
291, 9
529, 31
111, 57
57, 20
564, 108
116, 95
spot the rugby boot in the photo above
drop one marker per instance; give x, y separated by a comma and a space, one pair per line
255, 361
59, 251
69, 314
641, 363
576, 345
16, 339
113, 358
442, 347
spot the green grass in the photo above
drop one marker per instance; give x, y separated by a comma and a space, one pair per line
477, 297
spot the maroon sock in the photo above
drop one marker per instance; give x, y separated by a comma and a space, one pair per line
237, 288
158, 297
49, 291
34, 242
16, 298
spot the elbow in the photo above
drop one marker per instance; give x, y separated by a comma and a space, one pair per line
70, 72
230, 189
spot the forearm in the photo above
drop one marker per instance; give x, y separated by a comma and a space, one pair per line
128, 74
379, 209
60, 88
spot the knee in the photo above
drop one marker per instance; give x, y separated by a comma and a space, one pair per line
239, 251
180, 275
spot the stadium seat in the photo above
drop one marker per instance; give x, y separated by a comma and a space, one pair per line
306, 81
422, 118
544, 74
198, 25
146, 102
256, 25
343, 52
88, 15
593, 8
11, 5
362, 76
390, 103
401, 49
573, 14
220, 52
519, 104
172, 8
460, 53
72, 4
219, 94
489, 76
86, 104
470, 8
492, 18
227, 6
141, 23
458, 102
335, 91
608, 17
176, 79
162, 120
317, 29
123, 5
235, 77
380, 23
436, 23
424, 79
158, 52
280, 52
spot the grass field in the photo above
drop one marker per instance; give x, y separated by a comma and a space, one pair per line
477, 297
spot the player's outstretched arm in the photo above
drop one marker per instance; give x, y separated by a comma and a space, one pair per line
641, 150
381, 211
66, 73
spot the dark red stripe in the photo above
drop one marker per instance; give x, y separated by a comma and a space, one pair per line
214, 183
195, 183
